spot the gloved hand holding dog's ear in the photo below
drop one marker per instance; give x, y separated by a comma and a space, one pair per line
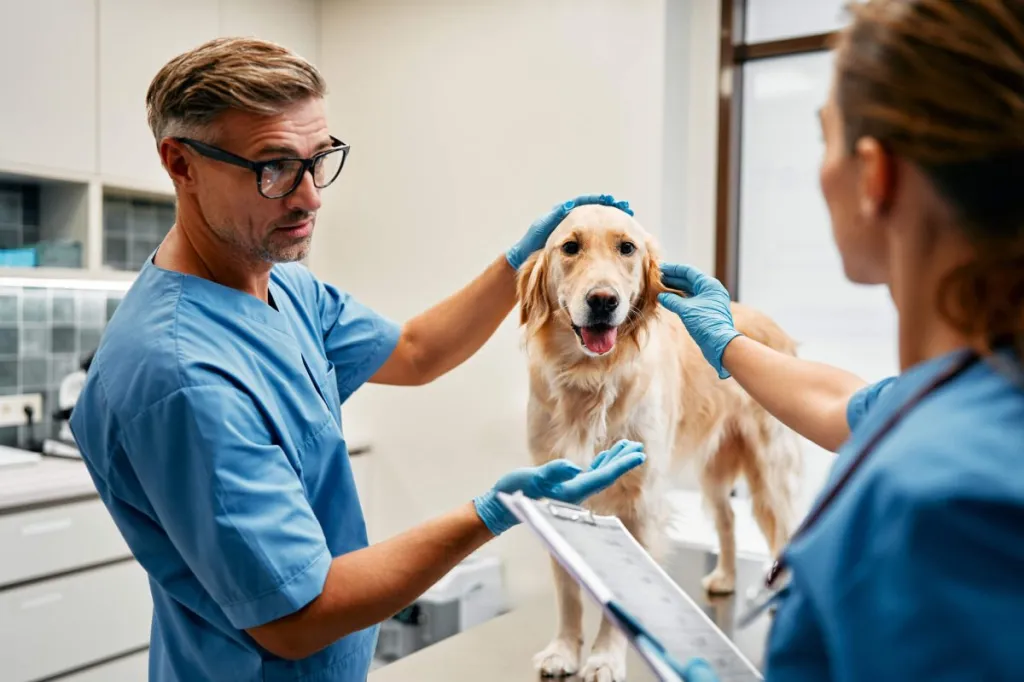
705, 311
541, 229
559, 480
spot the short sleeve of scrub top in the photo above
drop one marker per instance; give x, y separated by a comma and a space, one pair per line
355, 337
222, 488
864, 399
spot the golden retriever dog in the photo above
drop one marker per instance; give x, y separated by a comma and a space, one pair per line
607, 362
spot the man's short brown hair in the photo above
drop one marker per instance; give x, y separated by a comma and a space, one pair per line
245, 74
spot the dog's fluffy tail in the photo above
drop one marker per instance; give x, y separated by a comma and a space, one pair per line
784, 473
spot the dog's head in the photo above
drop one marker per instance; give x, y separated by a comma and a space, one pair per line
596, 278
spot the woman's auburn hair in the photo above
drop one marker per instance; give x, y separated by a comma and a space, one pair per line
940, 83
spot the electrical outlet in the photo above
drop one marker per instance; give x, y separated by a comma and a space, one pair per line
12, 409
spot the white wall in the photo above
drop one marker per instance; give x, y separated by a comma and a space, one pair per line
467, 120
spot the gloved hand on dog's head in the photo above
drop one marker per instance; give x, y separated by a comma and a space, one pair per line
537, 235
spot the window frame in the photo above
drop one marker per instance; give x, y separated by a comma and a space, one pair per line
734, 54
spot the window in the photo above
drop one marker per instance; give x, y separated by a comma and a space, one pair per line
769, 20
787, 263
774, 247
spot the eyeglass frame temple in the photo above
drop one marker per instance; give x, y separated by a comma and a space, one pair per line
218, 154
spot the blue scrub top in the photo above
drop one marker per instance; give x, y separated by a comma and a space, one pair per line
211, 425
916, 571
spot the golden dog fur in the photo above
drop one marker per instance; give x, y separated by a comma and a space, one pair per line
653, 386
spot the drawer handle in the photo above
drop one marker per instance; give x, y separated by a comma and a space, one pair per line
46, 526
42, 600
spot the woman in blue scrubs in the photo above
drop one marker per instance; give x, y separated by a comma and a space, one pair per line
910, 565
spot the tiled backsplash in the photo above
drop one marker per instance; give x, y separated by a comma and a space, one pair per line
132, 229
44, 334
19, 215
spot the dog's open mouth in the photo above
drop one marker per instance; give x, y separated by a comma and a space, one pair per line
598, 339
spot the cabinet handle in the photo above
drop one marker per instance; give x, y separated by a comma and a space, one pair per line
42, 600
46, 526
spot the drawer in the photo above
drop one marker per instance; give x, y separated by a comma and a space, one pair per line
132, 668
65, 623
50, 540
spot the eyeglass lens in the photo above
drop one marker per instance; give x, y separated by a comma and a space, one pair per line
281, 177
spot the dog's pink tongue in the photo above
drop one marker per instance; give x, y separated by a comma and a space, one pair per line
599, 340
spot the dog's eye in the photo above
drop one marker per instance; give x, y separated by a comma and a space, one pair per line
571, 248
626, 248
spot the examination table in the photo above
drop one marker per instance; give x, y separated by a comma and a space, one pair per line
502, 649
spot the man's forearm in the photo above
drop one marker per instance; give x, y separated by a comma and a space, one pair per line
450, 332
808, 397
368, 586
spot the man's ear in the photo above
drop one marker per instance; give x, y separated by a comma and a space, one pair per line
176, 161
532, 291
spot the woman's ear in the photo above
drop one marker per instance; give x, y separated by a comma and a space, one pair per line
532, 291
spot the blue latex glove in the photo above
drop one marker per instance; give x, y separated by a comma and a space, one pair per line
541, 229
705, 312
559, 480
697, 670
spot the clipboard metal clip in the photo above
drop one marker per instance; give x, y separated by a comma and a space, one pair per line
571, 512
766, 599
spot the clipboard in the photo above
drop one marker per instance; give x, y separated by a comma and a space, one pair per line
660, 621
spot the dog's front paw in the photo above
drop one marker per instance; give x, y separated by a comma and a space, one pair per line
605, 666
561, 658
719, 582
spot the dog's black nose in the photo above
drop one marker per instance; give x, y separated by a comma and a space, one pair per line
602, 303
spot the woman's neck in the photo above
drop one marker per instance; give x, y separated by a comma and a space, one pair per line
923, 337
916, 279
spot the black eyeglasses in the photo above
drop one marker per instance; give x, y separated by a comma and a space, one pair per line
276, 178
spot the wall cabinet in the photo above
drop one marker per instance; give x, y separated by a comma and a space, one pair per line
294, 23
74, 131
48, 118
136, 39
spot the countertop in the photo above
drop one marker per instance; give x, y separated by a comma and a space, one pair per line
502, 649
50, 480
55, 480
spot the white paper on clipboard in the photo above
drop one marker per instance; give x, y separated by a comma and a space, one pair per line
632, 589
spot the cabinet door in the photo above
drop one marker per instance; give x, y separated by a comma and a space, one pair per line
137, 37
48, 117
55, 539
132, 668
68, 622
291, 23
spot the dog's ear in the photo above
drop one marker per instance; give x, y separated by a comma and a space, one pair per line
532, 291
652, 285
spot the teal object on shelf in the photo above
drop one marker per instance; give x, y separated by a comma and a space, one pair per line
26, 257
59, 254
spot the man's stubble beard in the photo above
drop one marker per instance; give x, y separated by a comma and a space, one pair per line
292, 253
264, 252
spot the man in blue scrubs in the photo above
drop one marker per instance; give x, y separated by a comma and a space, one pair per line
210, 420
